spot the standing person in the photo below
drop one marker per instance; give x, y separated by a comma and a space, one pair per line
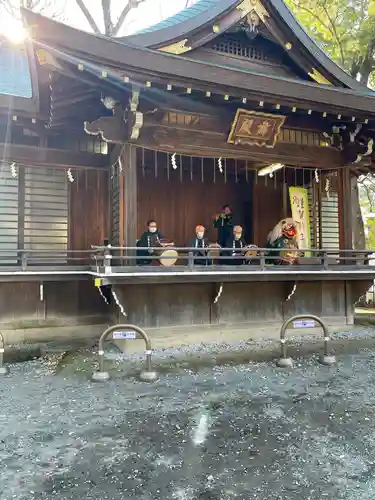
236, 246
200, 243
224, 225
150, 238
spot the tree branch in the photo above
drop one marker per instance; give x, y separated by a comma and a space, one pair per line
298, 5
335, 35
132, 4
8, 6
88, 17
108, 26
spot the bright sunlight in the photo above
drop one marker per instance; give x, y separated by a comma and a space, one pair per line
12, 29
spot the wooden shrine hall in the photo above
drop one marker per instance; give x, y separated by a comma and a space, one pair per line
227, 103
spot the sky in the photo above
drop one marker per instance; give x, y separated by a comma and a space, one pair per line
149, 12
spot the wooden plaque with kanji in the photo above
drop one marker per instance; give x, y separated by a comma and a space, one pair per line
255, 129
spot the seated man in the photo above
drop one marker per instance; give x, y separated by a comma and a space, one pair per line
199, 242
150, 238
238, 245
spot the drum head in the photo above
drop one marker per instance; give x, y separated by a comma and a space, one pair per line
251, 251
214, 250
250, 254
168, 258
288, 255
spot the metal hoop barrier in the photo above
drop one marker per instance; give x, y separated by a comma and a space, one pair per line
285, 361
4, 370
128, 332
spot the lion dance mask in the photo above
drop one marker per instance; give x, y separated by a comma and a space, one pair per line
283, 239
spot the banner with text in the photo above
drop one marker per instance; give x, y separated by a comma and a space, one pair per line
300, 213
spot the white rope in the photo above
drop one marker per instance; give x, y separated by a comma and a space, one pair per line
219, 293
292, 292
316, 175
173, 161
13, 170
327, 188
120, 163
70, 175
122, 310
103, 296
220, 164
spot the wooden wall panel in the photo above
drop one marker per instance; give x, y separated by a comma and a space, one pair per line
267, 207
189, 304
166, 304
180, 201
239, 303
89, 209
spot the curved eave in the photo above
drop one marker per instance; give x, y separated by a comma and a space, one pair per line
68, 43
315, 51
179, 31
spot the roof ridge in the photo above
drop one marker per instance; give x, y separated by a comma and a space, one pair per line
184, 14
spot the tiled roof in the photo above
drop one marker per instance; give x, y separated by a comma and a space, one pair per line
15, 79
195, 10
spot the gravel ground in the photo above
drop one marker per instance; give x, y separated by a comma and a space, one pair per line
240, 432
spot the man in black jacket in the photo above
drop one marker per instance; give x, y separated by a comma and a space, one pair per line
224, 225
200, 244
236, 247
150, 238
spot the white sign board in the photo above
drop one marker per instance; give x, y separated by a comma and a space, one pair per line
304, 323
124, 335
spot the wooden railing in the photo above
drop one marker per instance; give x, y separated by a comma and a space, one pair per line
261, 258
101, 258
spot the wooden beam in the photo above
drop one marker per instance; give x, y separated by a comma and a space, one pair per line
34, 156
196, 143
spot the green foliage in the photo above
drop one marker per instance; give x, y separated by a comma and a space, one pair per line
370, 236
345, 29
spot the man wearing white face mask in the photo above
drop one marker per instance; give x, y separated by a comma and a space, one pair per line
237, 245
200, 244
150, 238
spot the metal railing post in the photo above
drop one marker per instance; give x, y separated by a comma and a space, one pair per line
4, 370
148, 375
107, 261
286, 361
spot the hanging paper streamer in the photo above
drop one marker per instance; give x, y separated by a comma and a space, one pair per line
102, 295
316, 175
173, 161
220, 165
70, 175
13, 170
292, 292
327, 188
120, 163
219, 293
120, 306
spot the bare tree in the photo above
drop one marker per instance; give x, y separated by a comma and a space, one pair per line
111, 27
52, 8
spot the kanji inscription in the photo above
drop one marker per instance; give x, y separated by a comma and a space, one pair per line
255, 129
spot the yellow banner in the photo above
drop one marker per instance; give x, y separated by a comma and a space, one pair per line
300, 213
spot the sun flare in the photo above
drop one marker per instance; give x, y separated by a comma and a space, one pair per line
13, 30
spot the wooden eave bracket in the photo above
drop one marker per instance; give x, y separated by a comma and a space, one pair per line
123, 125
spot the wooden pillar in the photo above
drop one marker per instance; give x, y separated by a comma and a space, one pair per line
345, 211
128, 197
